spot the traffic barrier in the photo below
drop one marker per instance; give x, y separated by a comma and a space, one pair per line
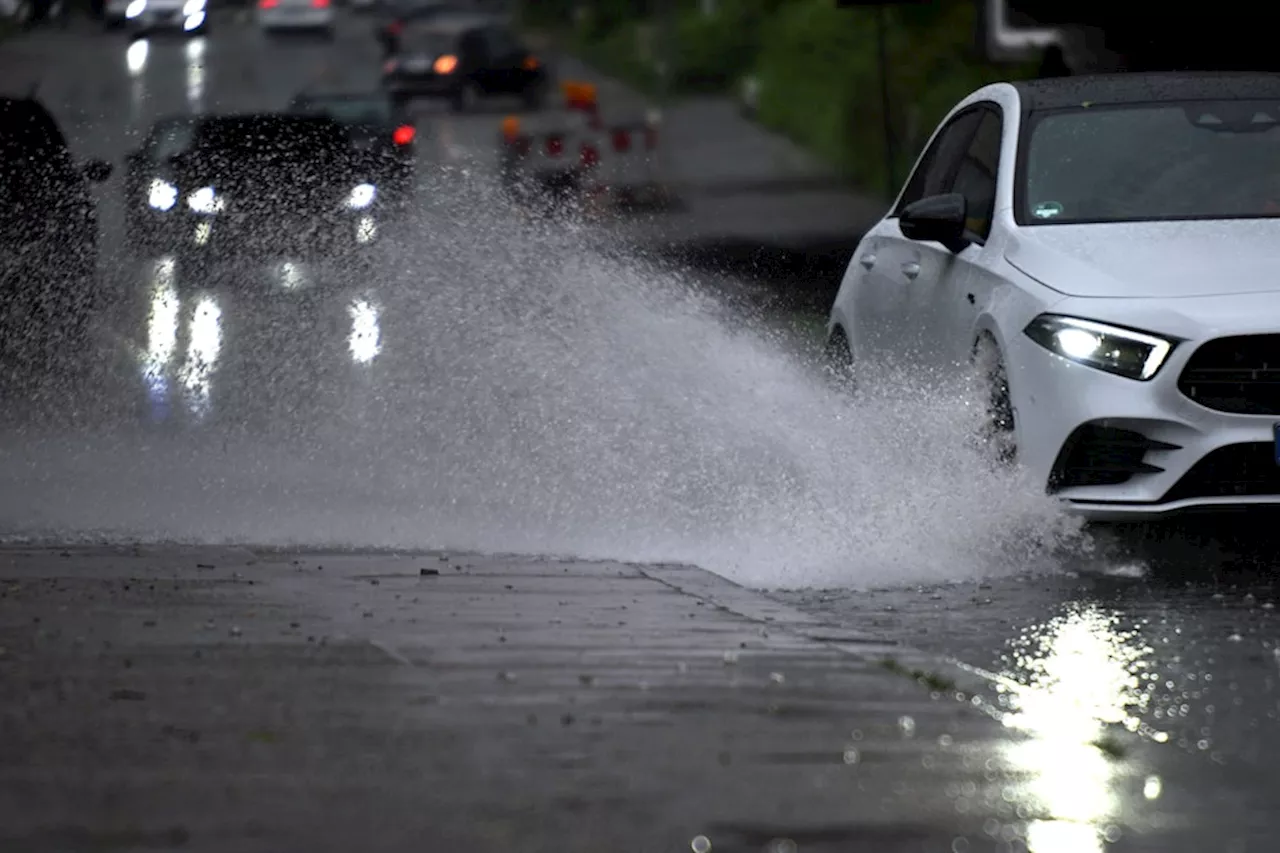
581, 156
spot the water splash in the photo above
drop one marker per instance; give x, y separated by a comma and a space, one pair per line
536, 390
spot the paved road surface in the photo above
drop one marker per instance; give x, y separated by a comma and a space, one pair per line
489, 383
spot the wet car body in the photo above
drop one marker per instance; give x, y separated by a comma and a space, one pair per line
392, 18
276, 16
464, 58
1099, 252
48, 230
248, 187
383, 137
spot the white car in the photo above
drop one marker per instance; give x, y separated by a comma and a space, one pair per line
1106, 251
190, 16
276, 15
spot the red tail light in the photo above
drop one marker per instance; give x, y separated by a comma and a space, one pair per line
590, 156
555, 146
268, 4
622, 141
320, 4
404, 134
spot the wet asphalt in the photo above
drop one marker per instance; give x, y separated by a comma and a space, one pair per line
229, 701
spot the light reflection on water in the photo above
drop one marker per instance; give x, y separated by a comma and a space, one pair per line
203, 347
1072, 680
195, 74
365, 341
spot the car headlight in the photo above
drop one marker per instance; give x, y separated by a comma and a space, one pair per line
205, 200
1124, 352
162, 195
362, 196
136, 8
192, 7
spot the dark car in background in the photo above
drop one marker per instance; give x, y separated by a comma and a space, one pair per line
392, 17
464, 58
383, 137
248, 186
48, 231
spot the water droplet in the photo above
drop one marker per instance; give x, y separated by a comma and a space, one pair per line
851, 756
1152, 787
700, 844
907, 726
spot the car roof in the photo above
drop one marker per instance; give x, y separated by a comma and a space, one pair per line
457, 23
1142, 88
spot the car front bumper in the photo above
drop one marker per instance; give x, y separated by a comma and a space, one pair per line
1115, 449
215, 236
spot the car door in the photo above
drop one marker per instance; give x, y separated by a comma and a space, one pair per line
885, 317
950, 288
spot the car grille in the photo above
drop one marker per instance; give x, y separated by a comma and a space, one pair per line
1237, 470
1096, 455
1240, 375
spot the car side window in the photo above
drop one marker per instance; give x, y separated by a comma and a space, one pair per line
936, 169
976, 177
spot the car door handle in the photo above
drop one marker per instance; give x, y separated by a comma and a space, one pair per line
911, 270
868, 261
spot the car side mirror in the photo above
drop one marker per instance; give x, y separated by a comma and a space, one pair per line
937, 219
97, 170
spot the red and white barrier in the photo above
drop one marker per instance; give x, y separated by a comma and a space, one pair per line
605, 164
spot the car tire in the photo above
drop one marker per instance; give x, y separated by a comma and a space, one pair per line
998, 433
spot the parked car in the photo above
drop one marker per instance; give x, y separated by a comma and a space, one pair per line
49, 230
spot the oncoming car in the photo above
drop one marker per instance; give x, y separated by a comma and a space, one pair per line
248, 186
189, 16
1104, 251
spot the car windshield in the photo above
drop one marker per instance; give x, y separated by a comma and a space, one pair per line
274, 137
348, 109
1150, 162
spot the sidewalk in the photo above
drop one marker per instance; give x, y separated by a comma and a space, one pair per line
225, 700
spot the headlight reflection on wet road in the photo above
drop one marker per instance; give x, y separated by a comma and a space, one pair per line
162, 331
136, 57
365, 341
1073, 677
195, 74
203, 348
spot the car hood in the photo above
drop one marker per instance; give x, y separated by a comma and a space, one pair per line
1151, 259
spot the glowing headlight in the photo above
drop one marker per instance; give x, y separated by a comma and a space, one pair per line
192, 7
162, 195
205, 200
136, 8
362, 196
1124, 352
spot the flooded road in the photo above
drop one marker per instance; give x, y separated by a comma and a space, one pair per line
487, 383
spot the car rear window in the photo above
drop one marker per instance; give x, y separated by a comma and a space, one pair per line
428, 41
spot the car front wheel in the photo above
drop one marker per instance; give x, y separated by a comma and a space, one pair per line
998, 432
